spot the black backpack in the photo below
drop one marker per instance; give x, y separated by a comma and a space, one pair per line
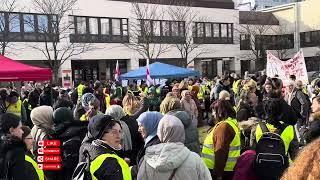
82, 171
271, 158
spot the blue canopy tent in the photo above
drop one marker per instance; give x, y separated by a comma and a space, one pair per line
160, 71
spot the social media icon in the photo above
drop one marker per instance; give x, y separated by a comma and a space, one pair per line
40, 151
40, 159
40, 166
41, 143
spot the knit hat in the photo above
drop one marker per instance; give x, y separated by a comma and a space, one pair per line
98, 124
26, 131
62, 114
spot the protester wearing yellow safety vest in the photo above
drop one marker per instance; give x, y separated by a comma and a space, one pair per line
80, 88
31, 164
106, 93
15, 106
274, 124
13, 151
221, 148
104, 150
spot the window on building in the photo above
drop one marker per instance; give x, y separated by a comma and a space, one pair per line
125, 27
100, 30
165, 28
213, 33
182, 29
93, 26
43, 23
105, 26
2, 22
275, 42
216, 30
29, 25
175, 28
208, 30
245, 42
156, 28
81, 25
224, 30
14, 23
200, 29
55, 24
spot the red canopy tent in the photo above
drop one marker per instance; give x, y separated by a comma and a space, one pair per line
11, 70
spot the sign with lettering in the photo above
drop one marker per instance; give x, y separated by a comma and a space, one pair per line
294, 66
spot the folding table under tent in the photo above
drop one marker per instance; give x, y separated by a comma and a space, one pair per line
11, 70
160, 71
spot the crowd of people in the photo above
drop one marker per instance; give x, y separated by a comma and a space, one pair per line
259, 128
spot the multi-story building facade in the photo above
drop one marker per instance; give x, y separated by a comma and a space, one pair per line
301, 20
105, 26
262, 4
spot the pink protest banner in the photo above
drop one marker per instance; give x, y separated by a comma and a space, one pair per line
294, 66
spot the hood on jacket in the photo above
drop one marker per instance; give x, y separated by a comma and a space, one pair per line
171, 130
42, 117
166, 156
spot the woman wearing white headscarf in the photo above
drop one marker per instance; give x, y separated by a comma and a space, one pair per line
171, 159
188, 105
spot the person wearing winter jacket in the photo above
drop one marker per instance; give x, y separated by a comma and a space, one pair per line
133, 109
117, 113
172, 106
70, 133
221, 147
104, 150
148, 125
299, 102
171, 159
13, 150
312, 131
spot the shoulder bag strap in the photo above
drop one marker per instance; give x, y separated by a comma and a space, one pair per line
263, 127
173, 173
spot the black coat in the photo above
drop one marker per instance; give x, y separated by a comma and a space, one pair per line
300, 104
14, 151
110, 168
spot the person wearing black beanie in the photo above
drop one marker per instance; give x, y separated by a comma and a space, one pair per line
104, 150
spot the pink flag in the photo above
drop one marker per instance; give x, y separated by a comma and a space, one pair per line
117, 73
149, 79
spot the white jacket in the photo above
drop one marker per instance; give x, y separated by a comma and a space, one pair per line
160, 160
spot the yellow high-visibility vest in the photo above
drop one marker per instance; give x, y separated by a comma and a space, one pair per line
80, 91
287, 135
14, 108
96, 164
108, 100
234, 149
35, 166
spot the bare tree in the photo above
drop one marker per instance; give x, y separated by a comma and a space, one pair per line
142, 30
57, 47
253, 30
182, 11
7, 7
284, 44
